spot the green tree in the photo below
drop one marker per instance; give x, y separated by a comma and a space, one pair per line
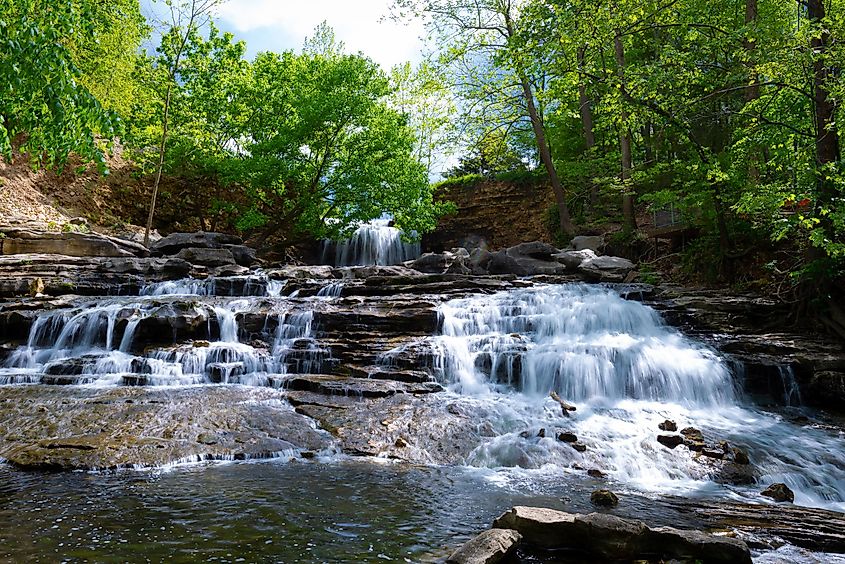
325, 148
52, 97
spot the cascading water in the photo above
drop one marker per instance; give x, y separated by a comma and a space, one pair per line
95, 343
627, 372
373, 243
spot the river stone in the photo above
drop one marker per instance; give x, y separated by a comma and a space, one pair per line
175, 242
604, 498
489, 547
611, 538
779, 492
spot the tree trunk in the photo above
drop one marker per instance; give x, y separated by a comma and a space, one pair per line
160, 166
566, 226
172, 72
628, 207
827, 136
753, 91
586, 111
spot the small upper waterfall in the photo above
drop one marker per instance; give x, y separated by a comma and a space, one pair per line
376, 242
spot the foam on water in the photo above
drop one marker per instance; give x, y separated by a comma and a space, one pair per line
626, 372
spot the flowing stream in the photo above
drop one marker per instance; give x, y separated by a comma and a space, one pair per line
626, 372
499, 355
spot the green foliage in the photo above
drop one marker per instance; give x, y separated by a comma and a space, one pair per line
54, 56
294, 143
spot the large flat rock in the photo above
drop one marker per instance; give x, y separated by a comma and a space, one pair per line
605, 536
83, 428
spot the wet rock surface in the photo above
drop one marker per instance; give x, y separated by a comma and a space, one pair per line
604, 536
71, 428
489, 547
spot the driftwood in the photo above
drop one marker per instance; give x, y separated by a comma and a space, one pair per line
565, 407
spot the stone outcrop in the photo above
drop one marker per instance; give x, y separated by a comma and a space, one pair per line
607, 537
175, 242
93, 276
137, 427
18, 241
492, 214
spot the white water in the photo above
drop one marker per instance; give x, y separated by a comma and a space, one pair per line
94, 345
373, 243
626, 372
500, 355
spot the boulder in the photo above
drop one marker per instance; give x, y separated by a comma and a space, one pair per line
670, 441
432, 263
479, 260
573, 259
610, 538
779, 492
606, 269
668, 425
535, 249
243, 255
456, 261
491, 546
175, 242
25, 241
502, 263
587, 242
207, 256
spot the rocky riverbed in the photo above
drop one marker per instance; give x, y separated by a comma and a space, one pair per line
117, 360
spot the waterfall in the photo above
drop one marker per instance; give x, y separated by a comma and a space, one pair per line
94, 345
626, 372
583, 342
373, 243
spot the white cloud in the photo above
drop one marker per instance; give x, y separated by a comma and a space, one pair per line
360, 24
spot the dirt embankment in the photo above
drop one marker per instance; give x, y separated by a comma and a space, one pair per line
116, 203
493, 213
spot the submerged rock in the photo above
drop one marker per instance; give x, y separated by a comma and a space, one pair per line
604, 498
88, 428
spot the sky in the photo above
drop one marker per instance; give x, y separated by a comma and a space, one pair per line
280, 25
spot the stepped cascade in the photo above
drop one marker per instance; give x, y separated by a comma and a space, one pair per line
501, 352
375, 242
